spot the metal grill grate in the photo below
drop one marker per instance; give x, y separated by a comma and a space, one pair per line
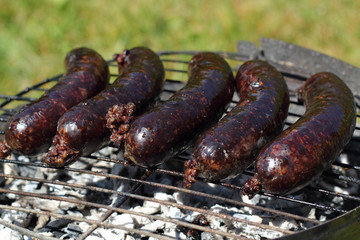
139, 185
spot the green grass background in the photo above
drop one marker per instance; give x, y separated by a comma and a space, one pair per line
36, 35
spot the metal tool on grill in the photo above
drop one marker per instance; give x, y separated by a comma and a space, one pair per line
64, 199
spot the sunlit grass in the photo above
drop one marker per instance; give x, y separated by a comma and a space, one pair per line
36, 35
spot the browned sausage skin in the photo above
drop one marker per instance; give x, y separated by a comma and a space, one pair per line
82, 130
31, 130
305, 149
169, 127
231, 145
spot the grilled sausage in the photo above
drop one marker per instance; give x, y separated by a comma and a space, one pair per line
230, 146
305, 149
31, 130
167, 128
82, 130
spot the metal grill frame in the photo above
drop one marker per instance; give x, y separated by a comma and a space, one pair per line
169, 59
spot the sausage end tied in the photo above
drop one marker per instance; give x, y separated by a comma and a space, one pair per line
87, 127
118, 121
60, 155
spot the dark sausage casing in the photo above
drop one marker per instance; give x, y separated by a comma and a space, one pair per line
82, 130
305, 149
231, 145
31, 130
166, 129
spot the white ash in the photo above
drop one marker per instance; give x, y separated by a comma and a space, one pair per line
72, 230
154, 226
107, 234
7, 233
41, 222
290, 224
21, 219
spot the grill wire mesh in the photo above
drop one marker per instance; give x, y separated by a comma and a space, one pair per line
142, 185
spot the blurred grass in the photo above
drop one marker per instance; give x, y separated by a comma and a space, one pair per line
36, 35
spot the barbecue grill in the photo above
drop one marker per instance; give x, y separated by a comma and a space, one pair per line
98, 198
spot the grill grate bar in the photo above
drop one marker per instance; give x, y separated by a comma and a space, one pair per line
335, 194
346, 166
8, 111
303, 202
291, 199
162, 202
75, 218
121, 199
184, 158
343, 178
175, 70
188, 191
116, 209
318, 206
26, 90
40, 89
22, 230
227, 55
18, 98
114, 75
174, 61
323, 207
